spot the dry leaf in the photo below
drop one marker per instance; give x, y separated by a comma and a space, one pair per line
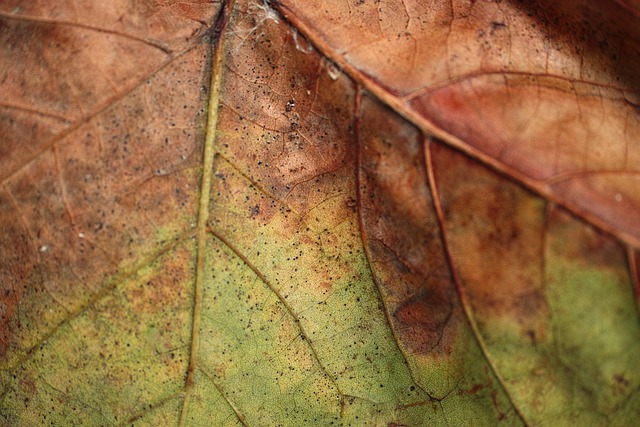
389, 213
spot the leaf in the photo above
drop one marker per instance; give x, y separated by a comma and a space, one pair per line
319, 213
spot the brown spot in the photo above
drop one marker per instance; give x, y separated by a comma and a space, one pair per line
620, 379
476, 388
423, 318
27, 384
168, 287
325, 286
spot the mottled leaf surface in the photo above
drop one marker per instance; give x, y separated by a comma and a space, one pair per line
365, 213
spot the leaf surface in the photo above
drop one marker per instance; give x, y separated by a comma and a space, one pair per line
319, 213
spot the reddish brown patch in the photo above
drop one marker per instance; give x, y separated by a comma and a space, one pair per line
496, 405
476, 388
423, 318
325, 286
401, 232
495, 235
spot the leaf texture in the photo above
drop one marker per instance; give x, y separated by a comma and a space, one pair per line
390, 213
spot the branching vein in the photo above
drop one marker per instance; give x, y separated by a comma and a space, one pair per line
205, 191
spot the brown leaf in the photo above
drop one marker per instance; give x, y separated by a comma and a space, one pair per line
548, 97
85, 97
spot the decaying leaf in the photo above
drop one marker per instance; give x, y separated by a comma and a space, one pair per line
376, 213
